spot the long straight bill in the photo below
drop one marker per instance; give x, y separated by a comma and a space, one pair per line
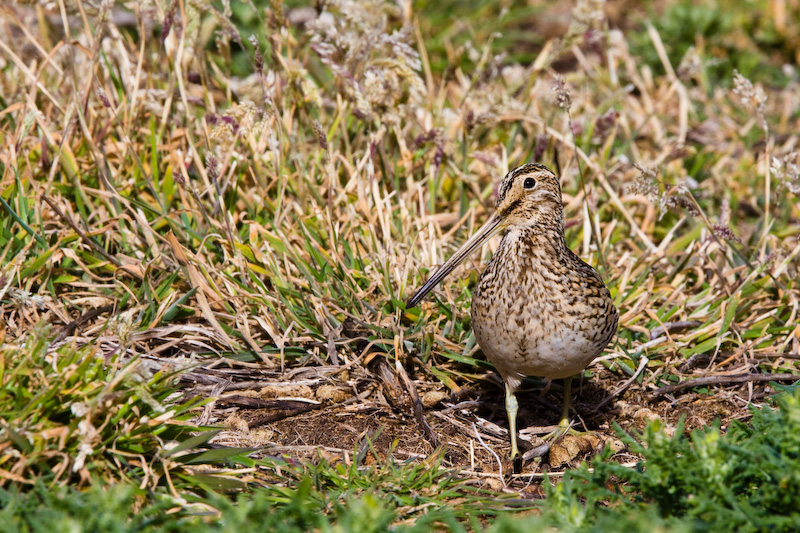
491, 227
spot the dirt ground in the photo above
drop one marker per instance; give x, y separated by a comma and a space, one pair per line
325, 412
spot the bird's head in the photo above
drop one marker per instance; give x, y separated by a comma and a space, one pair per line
528, 197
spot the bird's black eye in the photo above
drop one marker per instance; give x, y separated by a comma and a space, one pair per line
530, 183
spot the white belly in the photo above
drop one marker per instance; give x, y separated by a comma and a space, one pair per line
561, 354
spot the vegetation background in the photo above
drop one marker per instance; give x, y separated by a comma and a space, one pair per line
211, 214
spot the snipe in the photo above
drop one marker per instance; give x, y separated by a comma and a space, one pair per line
538, 309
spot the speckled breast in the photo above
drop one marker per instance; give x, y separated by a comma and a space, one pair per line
538, 313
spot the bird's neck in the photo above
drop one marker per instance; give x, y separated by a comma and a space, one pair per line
547, 238
551, 231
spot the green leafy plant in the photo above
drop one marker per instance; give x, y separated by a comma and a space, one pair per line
744, 479
70, 415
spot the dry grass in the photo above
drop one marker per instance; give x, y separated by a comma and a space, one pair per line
262, 232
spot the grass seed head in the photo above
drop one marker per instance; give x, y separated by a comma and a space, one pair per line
752, 97
563, 98
787, 171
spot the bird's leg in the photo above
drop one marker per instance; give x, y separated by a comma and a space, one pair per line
563, 424
512, 406
562, 429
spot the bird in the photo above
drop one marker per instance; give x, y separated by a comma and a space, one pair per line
538, 309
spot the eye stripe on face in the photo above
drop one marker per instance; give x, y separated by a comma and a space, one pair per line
510, 208
505, 186
514, 174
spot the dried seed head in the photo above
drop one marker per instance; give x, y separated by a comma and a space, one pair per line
725, 232
212, 165
787, 171
563, 98
377, 69
438, 157
587, 15
257, 57
101, 94
752, 97
322, 137
690, 66
277, 17
169, 20
645, 183
240, 119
